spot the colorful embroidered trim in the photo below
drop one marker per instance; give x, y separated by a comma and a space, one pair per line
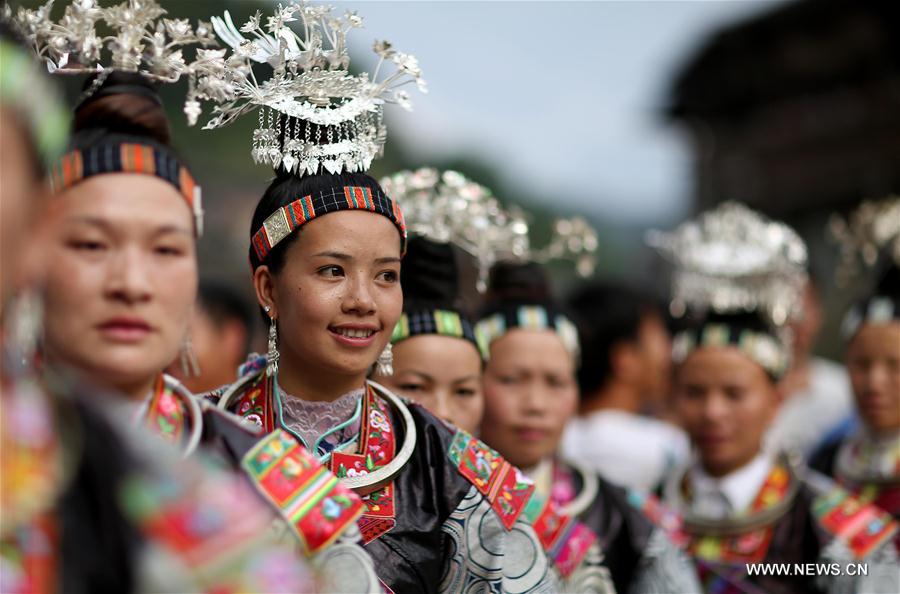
29, 557
126, 157
565, 539
659, 514
167, 416
502, 484
434, 321
763, 348
752, 546
718, 579
287, 219
312, 500
534, 317
377, 447
256, 404
862, 527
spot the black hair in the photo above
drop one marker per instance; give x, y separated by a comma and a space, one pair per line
125, 106
512, 283
889, 282
223, 304
284, 189
430, 275
607, 315
747, 320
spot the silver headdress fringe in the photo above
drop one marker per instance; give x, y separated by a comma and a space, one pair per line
872, 229
732, 259
130, 37
448, 207
312, 112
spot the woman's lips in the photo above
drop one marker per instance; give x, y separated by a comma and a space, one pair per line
531, 433
125, 330
711, 440
354, 336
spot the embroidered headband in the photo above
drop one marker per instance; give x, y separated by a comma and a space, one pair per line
498, 322
766, 350
880, 309
284, 221
435, 321
129, 157
26, 92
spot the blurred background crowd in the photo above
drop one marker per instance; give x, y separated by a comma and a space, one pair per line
634, 115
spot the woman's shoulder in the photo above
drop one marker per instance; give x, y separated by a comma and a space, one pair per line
455, 462
840, 517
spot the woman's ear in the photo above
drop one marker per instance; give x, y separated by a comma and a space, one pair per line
264, 284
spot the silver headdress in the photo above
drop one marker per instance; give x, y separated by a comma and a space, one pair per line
140, 41
312, 112
732, 259
872, 229
448, 207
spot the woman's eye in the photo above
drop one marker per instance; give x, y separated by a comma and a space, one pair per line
734, 393
87, 245
410, 387
332, 271
389, 276
465, 392
166, 250
508, 379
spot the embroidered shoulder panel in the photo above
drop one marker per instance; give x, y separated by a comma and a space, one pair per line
312, 500
255, 404
565, 540
862, 527
168, 415
377, 447
502, 484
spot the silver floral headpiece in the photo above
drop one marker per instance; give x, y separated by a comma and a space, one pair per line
140, 41
872, 229
312, 112
732, 259
448, 207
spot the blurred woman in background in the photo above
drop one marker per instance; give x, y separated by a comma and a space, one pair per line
868, 460
436, 360
531, 392
740, 503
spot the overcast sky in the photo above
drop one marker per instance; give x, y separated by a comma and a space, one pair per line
561, 97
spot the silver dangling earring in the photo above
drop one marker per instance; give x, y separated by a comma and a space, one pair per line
25, 315
272, 355
190, 366
385, 363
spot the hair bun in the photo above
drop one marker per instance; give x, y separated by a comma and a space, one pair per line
889, 284
430, 273
746, 320
124, 103
519, 281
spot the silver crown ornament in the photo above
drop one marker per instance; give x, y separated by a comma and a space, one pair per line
447, 207
312, 112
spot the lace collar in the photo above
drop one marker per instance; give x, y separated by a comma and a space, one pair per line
321, 426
